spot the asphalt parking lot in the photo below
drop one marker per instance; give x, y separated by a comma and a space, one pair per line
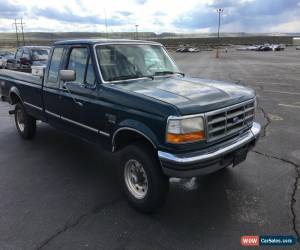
58, 192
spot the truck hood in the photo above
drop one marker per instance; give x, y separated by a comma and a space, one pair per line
191, 95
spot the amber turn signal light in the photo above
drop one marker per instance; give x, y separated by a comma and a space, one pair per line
183, 138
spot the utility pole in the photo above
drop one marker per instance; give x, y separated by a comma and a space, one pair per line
136, 32
22, 31
219, 26
16, 26
19, 30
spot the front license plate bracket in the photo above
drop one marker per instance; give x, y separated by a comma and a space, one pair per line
240, 156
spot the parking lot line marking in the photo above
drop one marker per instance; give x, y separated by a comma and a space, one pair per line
282, 92
278, 83
274, 83
288, 105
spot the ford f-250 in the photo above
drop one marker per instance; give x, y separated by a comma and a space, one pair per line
130, 96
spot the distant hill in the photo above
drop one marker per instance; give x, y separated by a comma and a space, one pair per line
168, 39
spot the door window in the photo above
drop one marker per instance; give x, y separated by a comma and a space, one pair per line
26, 54
80, 61
77, 62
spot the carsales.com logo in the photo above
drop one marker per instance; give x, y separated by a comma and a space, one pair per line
264, 240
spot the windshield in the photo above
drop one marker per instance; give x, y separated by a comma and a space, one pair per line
40, 54
129, 61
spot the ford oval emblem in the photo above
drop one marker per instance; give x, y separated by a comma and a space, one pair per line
235, 119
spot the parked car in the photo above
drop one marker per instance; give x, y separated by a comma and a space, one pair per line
27, 56
182, 49
278, 47
188, 49
297, 47
264, 48
130, 97
4, 56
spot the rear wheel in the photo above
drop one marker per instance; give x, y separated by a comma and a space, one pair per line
142, 180
26, 124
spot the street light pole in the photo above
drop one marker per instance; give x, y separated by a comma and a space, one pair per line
219, 12
136, 31
106, 23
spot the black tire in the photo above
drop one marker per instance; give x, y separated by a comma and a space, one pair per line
26, 124
157, 183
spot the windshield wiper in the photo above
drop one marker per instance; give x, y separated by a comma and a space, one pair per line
160, 73
128, 77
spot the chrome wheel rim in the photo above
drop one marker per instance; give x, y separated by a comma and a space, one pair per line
20, 120
136, 179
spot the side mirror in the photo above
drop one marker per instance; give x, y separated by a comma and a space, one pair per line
67, 75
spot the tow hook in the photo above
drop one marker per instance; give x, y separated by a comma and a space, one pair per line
11, 112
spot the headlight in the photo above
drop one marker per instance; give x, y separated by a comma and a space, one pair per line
184, 130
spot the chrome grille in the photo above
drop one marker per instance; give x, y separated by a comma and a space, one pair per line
229, 120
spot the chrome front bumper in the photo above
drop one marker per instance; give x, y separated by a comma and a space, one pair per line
208, 160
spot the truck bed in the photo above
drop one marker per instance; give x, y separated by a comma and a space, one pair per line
20, 76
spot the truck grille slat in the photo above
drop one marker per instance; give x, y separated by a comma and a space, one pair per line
217, 129
230, 120
235, 114
249, 109
217, 120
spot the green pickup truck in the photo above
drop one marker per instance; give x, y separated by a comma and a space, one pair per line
130, 97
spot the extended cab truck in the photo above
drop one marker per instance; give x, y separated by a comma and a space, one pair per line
130, 96
28, 56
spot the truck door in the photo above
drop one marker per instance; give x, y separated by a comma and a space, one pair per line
14, 64
79, 98
51, 93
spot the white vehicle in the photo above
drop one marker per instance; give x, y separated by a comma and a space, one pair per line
3, 58
249, 48
193, 50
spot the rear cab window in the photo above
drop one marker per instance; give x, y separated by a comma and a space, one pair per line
55, 62
19, 53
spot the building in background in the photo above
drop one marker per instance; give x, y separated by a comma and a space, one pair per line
296, 41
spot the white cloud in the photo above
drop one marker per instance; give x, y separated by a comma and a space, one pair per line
151, 15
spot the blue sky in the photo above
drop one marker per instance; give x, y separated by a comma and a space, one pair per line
153, 15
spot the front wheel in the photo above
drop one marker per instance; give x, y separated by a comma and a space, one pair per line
26, 124
142, 180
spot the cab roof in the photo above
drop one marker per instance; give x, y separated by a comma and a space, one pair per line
35, 47
102, 41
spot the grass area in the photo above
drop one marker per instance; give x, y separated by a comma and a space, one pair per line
8, 40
